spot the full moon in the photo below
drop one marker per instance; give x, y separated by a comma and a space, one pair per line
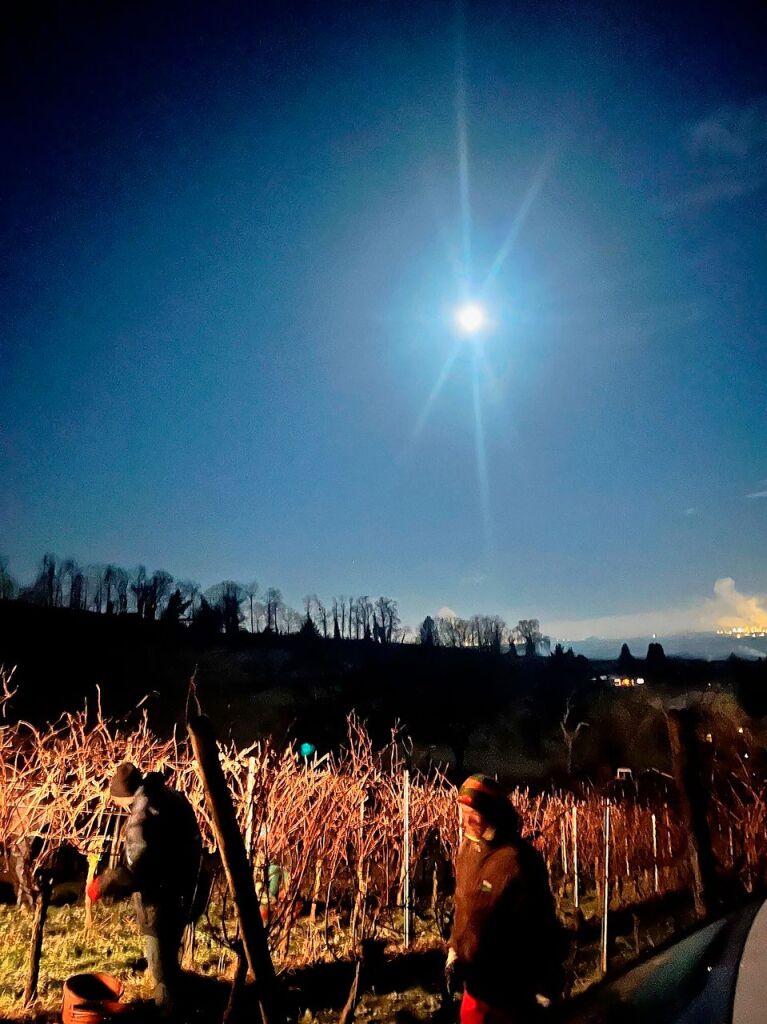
470, 318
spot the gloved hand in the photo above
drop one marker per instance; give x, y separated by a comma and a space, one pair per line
93, 890
453, 974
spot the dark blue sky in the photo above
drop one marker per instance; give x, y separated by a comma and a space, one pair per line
232, 244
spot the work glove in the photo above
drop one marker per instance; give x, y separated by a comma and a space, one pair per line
453, 974
93, 890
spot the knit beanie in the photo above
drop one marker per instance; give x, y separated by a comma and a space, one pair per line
484, 795
126, 780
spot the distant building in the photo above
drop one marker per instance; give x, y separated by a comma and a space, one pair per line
627, 680
622, 681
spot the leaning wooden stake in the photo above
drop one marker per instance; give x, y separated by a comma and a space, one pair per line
238, 873
42, 899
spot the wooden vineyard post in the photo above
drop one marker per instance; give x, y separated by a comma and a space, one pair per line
655, 851
693, 802
358, 909
406, 854
250, 787
316, 888
238, 872
576, 894
666, 822
605, 890
42, 900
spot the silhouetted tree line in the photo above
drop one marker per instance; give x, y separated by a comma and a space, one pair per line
484, 632
229, 607
226, 607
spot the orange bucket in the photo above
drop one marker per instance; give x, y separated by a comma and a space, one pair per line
92, 998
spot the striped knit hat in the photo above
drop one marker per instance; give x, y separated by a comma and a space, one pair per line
487, 797
126, 780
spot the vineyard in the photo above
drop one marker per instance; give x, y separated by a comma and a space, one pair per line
359, 844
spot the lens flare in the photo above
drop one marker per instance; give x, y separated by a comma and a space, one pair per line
470, 318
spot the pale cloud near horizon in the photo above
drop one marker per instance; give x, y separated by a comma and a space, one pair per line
445, 612
739, 610
757, 494
728, 609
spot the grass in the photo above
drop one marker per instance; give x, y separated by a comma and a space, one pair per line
113, 945
116, 946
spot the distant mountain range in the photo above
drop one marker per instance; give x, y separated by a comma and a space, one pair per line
707, 646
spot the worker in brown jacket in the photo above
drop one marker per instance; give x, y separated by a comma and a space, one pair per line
506, 948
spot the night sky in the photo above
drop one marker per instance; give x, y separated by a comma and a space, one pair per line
233, 240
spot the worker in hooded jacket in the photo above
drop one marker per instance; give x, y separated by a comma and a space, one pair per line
163, 868
506, 948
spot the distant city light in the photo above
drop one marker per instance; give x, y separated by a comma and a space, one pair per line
470, 318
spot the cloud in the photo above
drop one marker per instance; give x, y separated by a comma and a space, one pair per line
728, 609
757, 494
732, 132
736, 610
445, 613
721, 188
726, 154
690, 511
